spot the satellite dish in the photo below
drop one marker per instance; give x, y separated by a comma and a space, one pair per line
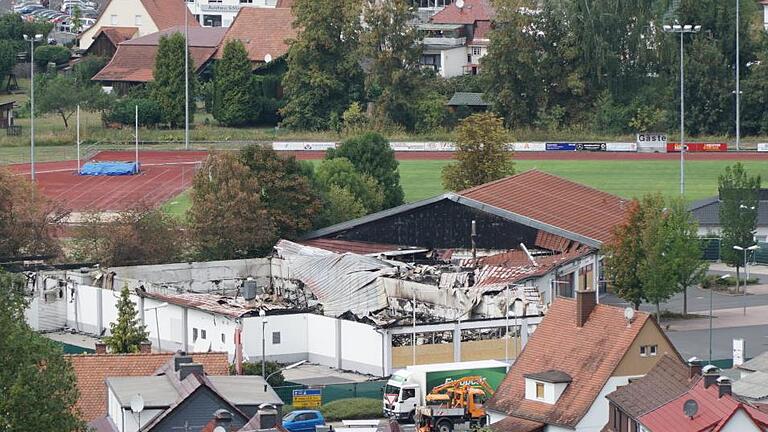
219, 429
690, 408
629, 314
137, 404
267, 58
459, 4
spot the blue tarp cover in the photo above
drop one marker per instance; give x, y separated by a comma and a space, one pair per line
109, 168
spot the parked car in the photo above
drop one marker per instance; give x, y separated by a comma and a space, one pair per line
303, 421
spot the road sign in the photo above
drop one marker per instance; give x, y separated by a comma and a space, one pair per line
307, 398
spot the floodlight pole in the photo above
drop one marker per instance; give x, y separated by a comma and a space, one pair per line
186, 78
136, 134
32, 39
78, 139
738, 92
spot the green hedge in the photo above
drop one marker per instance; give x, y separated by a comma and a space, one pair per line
351, 409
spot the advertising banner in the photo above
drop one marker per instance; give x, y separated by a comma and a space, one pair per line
698, 147
528, 146
550, 146
652, 142
762, 147
587, 146
302, 146
621, 147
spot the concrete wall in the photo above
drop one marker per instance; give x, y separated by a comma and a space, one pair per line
170, 321
320, 347
362, 348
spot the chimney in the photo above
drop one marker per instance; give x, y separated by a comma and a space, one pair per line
238, 349
723, 386
101, 348
179, 359
267, 416
145, 347
711, 373
694, 367
187, 369
585, 302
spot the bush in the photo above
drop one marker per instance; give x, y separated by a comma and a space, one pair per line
45, 54
717, 281
351, 409
124, 112
88, 67
254, 368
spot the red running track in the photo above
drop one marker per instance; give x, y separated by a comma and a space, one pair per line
163, 176
565, 155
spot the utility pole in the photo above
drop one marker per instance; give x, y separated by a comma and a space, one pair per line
738, 81
186, 78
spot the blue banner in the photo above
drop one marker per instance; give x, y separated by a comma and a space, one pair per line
561, 147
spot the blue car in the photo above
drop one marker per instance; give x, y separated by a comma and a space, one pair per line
303, 421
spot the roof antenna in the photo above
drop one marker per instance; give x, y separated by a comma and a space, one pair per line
474, 237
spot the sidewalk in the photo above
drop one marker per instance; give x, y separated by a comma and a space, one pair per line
753, 269
722, 318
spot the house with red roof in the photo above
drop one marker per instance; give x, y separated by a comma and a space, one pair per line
146, 16
580, 352
456, 37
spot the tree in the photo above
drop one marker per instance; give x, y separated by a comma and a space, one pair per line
625, 255
372, 155
341, 173
232, 98
167, 88
36, 380
739, 195
56, 54
8, 52
228, 219
61, 94
481, 154
124, 112
286, 190
324, 73
141, 235
29, 222
656, 272
254, 368
126, 334
89, 66
340, 205
391, 45
685, 254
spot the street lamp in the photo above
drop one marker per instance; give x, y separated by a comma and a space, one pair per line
738, 92
682, 29
157, 320
746, 270
712, 288
263, 315
290, 366
32, 40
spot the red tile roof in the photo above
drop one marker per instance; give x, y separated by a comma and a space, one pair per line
516, 424
713, 414
473, 10
589, 354
263, 31
169, 13
554, 201
117, 34
92, 370
358, 247
134, 60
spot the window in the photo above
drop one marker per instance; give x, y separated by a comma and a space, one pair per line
539, 390
643, 351
194, 335
223, 338
476, 51
113, 19
275, 338
212, 20
648, 350
409, 393
246, 1
137, 20
652, 350
202, 334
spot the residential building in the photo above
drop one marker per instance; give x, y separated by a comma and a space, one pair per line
263, 32
105, 42
134, 60
93, 370
708, 405
580, 352
221, 13
456, 38
751, 382
181, 395
667, 380
707, 213
146, 16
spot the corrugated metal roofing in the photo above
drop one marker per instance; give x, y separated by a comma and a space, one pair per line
752, 386
467, 99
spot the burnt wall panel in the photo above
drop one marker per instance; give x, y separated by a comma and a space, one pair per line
444, 224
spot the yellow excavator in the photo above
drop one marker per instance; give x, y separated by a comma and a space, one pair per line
455, 405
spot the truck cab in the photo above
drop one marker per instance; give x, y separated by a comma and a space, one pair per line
401, 397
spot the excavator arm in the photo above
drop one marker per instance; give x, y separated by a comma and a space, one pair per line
470, 381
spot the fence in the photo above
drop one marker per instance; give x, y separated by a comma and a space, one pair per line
332, 392
712, 251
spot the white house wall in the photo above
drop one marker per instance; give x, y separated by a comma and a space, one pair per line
214, 325
321, 348
126, 11
453, 61
293, 338
170, 320
597, 415
740, 422
362, 349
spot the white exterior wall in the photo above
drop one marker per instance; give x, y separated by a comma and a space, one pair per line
452, 61
740, 422
214, 325
597, 415
765, 16
475, 57
321, 348
362, 349
126, 12
114, 410
761, 233
227, 9
293, 338
169, 318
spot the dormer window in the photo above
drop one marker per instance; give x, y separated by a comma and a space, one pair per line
546, 386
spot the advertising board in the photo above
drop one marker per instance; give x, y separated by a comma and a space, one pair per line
302, 146
527, 146
561, 146
621, 147
652, 142
698, 147
762, 147
591, 146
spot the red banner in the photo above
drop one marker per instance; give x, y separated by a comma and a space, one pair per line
698, 147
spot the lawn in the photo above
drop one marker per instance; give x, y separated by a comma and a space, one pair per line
178, 205
421, 179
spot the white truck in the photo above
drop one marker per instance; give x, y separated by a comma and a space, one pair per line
407, 388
